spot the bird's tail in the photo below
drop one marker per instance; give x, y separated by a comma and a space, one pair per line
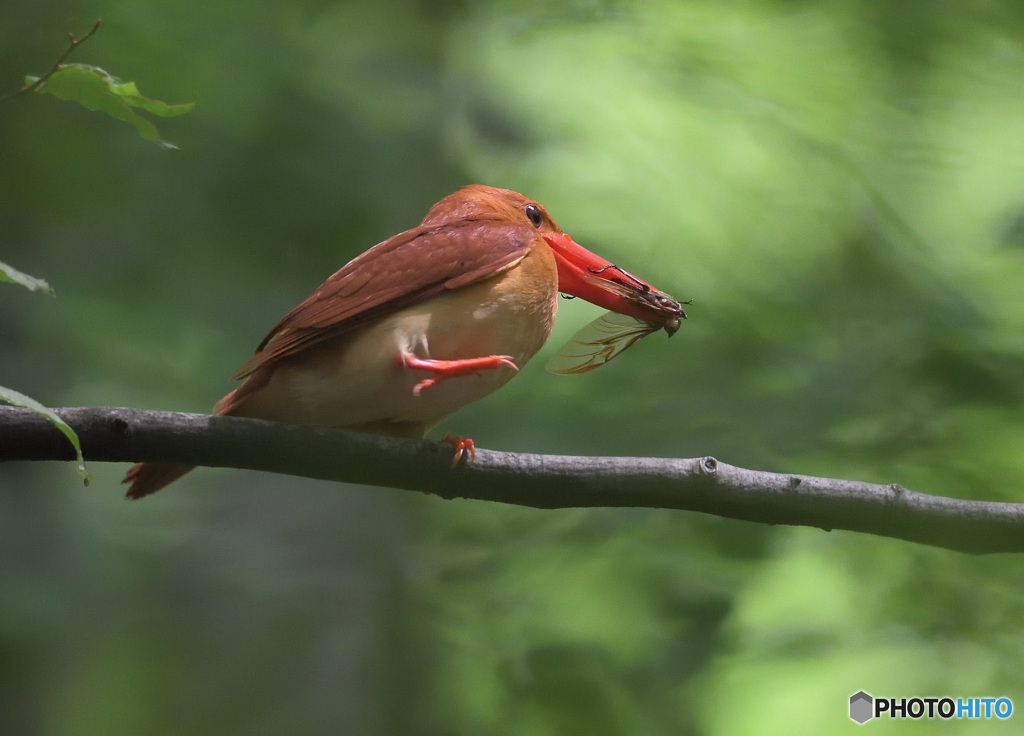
146, 478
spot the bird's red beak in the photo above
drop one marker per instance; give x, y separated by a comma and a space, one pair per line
588, 276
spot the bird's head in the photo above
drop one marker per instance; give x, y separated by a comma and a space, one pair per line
580, 273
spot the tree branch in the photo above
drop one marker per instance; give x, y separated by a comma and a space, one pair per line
540, 481
57, 65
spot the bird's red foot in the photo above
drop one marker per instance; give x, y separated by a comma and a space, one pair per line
445, 369
462, 445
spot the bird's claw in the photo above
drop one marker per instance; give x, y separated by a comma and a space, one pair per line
462, 445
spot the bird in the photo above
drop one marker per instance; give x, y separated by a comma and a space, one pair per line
432, 319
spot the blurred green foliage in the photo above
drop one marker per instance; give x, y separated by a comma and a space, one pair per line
838, 185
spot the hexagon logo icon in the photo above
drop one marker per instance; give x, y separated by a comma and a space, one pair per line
861, 707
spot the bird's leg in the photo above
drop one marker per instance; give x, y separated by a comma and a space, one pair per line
462, 445
445, 369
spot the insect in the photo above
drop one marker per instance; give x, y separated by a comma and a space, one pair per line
603, 339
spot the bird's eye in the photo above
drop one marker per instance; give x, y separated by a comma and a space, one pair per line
533, 212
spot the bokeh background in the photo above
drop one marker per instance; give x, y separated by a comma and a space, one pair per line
839, 187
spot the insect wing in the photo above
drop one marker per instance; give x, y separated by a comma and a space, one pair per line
598, 342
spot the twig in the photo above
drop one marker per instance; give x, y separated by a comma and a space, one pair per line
58, 65
540, 481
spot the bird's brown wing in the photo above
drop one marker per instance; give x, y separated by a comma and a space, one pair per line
399, 272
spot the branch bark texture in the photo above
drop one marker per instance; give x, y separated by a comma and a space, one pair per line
541, 481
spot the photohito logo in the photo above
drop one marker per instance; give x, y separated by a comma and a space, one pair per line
864, 707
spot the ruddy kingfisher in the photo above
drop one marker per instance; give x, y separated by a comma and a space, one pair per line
433, 319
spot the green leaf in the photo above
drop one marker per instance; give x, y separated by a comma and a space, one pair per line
96, 89
14, 276
18, 399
